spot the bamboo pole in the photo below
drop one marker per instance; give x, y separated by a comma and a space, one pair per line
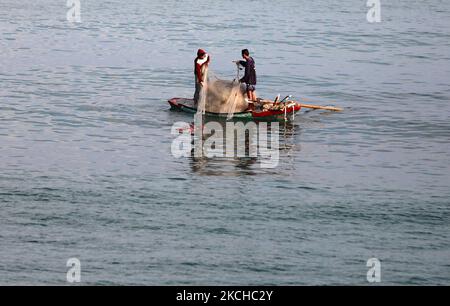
330, 108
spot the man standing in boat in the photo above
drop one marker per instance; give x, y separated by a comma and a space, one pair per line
201, 63
250, 74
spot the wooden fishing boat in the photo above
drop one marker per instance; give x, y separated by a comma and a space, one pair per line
285, 112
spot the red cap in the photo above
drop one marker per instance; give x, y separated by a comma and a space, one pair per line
200, 52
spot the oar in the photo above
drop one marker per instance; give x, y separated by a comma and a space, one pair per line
330, 108
336, 109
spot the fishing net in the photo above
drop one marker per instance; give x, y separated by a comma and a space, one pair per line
221, 96
201, 106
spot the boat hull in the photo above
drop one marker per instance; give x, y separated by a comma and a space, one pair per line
187, 106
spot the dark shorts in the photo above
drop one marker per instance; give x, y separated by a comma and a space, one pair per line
251, 87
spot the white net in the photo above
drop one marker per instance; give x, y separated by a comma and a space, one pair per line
234, 99
201, 107
221, 96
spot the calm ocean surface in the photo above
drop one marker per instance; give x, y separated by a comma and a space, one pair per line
86, 169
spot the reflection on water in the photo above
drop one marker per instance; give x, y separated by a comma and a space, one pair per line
85, 144
248, 151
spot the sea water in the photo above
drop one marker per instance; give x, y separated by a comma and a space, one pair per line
86, 169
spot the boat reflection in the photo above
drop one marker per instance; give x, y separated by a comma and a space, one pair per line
252, 162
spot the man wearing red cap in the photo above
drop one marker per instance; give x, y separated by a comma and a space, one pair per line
201, 63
